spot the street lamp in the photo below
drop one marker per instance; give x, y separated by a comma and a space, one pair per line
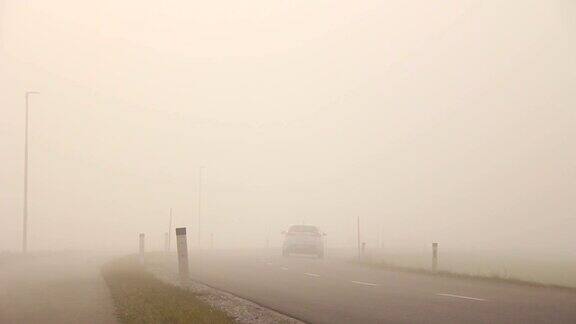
25, 211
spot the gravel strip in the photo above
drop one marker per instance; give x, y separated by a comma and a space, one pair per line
240, 309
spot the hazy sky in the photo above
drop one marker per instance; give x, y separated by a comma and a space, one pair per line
450, 121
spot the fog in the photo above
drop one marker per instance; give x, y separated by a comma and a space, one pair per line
445, 121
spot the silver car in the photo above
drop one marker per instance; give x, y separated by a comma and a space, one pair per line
304, 239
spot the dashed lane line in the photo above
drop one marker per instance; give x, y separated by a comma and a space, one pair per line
311, 274
461, 297
364, 283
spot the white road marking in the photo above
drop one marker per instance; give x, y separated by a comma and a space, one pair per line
364, 283
283, 268
311, 274
463, 297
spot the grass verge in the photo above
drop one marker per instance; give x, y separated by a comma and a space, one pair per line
141, 298
495, 278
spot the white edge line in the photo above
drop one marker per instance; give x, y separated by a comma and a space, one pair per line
364, 283
311, 274
462, 297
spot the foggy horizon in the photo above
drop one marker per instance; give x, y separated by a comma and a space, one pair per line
449, 122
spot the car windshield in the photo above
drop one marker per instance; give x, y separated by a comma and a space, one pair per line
303, 229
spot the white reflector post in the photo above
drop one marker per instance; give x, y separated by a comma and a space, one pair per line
434, 257
182, 248
142, 245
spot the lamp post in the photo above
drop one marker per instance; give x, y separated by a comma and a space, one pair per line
25, 210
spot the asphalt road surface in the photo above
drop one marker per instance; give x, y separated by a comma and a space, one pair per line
337, 291
63, 287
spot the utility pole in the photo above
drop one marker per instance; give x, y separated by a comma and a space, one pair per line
25, 210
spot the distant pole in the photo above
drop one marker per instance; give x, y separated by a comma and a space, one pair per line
182, 248
268, 237
169, 232
142, 243
166, 244
379, 235
358, 238
434, 257
25, 209
200, 206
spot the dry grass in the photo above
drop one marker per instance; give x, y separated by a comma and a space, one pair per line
141, 298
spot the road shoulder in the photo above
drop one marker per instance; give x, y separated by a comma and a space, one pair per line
240, 309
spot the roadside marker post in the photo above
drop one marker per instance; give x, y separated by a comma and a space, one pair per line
434, 257
166, 243
325, 245
142, 244
358, 238
182, 248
